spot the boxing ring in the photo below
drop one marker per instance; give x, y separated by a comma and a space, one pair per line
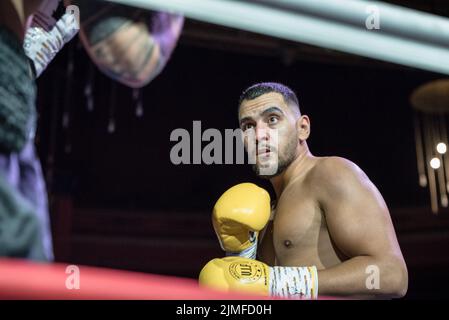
403, 36
407, 37
26, 280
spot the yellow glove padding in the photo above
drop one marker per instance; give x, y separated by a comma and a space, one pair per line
255, 277
236, 274
239, 214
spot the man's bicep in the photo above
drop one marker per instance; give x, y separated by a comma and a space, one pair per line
358, 219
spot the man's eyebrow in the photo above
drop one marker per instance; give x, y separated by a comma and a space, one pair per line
271, 110
265, 112
244, 119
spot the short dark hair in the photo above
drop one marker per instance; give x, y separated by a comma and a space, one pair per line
262, 88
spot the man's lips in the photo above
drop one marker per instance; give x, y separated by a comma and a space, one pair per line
266, 151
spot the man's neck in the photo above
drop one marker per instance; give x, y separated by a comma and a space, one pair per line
296, 170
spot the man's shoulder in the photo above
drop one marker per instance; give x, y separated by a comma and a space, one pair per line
336, 172
335, 166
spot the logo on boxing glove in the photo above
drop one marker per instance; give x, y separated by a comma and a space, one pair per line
247, 272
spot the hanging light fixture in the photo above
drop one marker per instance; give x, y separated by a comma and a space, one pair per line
89, 88
137, 97
66, 121
431, 105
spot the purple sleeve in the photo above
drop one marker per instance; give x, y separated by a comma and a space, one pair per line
166, 28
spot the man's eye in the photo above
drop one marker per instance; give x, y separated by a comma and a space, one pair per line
273, 120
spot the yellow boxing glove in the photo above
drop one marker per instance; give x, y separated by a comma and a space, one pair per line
255, 277
238, 216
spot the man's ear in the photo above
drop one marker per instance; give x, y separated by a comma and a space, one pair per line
303, 128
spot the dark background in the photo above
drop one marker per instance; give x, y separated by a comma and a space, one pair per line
118, 201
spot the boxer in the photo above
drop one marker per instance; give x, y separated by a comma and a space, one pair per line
24, 223
330, 232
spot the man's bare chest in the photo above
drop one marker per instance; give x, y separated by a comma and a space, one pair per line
297, 222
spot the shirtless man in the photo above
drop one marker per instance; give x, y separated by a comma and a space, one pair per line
331, 232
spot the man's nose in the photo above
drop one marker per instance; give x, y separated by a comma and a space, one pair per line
262, 133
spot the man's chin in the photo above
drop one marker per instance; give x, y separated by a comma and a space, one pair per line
266, 172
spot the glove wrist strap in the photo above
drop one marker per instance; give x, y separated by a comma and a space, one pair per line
250, 252
294, 282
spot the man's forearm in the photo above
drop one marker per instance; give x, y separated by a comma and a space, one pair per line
365, 277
